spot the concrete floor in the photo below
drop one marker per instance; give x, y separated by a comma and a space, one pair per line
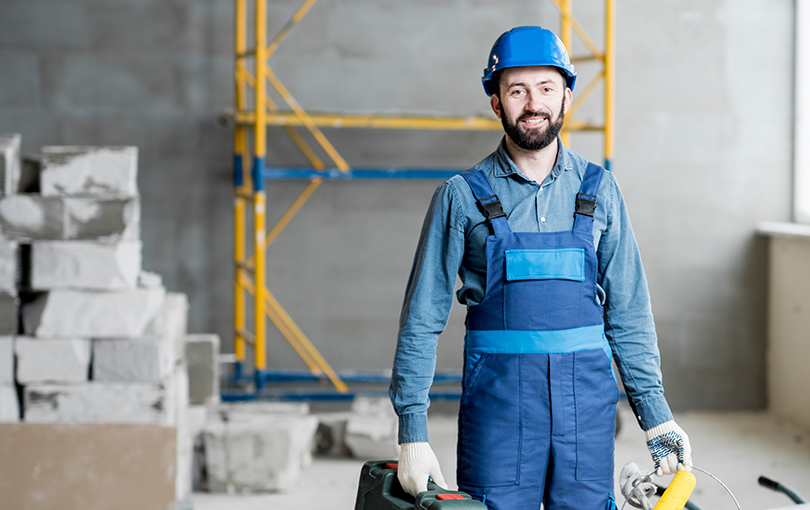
735, 447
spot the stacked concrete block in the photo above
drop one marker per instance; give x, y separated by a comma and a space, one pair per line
82, 265
9, 312
10, 163
202, 352
9, 407
98, 171
371, 431
102, 219
258, 452
96, 402
71, 313
29, 217
10, 270
46, 360
132, 359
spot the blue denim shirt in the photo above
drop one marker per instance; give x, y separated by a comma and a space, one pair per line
452, 243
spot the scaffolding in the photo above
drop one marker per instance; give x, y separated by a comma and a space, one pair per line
255, 111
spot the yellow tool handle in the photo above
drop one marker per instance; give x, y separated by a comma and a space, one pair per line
678, 492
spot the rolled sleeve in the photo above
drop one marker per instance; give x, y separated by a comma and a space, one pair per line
629, 324
425, 311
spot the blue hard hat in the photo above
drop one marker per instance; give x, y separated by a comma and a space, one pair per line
528, 46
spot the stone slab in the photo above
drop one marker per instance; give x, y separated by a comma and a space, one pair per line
71, 313
99, 402
6, 360
85, 265
371, 432
202, 353
132, 359
87, 466
10, 163
82, 170
9, 406
10, 266
45, 360
99, 219
29, 217
266, 453
9, 313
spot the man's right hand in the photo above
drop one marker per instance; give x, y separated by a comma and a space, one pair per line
417, 463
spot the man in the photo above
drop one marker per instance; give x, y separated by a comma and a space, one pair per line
554, 288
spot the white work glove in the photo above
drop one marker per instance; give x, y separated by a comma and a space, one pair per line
417, 462
669, 447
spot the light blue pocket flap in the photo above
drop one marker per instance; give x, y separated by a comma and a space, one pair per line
554, 264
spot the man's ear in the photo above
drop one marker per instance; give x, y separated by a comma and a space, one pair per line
495, 103
569, 96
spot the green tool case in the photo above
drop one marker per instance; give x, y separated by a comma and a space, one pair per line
379, 489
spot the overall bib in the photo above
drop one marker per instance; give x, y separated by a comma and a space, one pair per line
538, 407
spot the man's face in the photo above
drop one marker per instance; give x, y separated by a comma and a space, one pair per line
532, 105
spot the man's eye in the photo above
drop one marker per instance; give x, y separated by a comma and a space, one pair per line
518, 93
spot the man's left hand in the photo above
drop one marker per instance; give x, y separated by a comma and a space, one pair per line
670, 448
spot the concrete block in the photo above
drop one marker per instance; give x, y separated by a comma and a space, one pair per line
6, 360
185, 438
97, 171
71, 313
10, 163
266, 453
99, 219
27, 217
196, 423
45, 360
99, 402
10, 266
202, 353
9, 405
371, 432
171, 322
85, 265
87, 466
9, 313
330, 439
132, 359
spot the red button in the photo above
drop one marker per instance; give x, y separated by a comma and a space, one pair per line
449, 496
392, 465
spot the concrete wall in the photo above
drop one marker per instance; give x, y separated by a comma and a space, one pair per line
703, 130
789, 327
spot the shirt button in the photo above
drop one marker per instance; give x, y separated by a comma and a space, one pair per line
542, 220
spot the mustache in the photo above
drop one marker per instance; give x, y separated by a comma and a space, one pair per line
529, 115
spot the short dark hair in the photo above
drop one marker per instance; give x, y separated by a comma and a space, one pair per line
495, 81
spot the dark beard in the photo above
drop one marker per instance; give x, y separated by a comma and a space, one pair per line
533, 141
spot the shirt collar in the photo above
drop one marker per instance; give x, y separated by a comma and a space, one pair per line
506, 166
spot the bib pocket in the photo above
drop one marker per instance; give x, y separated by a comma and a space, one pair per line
544, 289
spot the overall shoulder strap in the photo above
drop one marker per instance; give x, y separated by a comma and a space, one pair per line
586, 198
487, 201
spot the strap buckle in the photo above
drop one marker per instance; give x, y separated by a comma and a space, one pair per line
586, 204
492, 209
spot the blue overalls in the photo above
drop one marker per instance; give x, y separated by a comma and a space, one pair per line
538, 406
